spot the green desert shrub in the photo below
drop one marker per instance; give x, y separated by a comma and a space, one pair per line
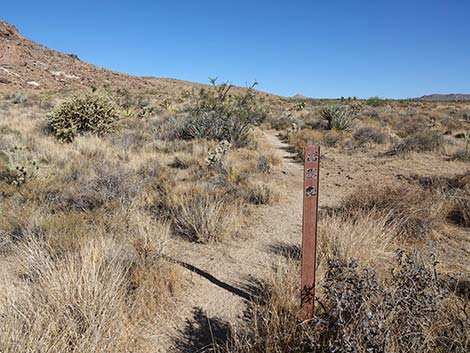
375, 102
368, 134
89, 113
219, 115
428, 141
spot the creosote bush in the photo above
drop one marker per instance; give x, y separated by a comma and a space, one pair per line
81, 114
368, 134
219, 115
428, 141
375, 102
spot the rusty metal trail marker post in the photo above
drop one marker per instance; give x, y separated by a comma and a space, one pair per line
309, 228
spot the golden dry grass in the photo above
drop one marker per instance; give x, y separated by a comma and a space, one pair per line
82, 241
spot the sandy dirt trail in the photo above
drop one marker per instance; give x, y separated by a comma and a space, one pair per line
221, 273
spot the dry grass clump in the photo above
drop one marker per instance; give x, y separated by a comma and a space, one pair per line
460, 212
265, 163
203, 216
365, 237
406, 207
261, 193
455, 193
90, 300
86, 185
459, 200
464, 153
272, 318
369, 134
306, 137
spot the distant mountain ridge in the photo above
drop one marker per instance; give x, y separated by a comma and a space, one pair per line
445, 97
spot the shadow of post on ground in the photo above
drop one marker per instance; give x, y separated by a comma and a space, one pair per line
202, 334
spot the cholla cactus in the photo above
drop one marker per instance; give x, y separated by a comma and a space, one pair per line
15, 167
80, 114
216, 157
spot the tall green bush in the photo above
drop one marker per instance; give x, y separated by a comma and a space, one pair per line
219, 115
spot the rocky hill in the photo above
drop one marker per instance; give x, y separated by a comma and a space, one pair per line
27, 65
445, 97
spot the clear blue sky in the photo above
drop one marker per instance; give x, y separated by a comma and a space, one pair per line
361, 48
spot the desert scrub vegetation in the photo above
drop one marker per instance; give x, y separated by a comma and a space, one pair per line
359, 309
464, 153
216, 114
455, 193
94, 299
368, 135
404, 206
103, 207
299, 139
427, 141
16, 166
370, 298
91, 113
337, 116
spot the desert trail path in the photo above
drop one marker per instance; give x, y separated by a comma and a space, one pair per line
221, 273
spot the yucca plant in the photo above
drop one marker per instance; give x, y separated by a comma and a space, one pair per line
337, 116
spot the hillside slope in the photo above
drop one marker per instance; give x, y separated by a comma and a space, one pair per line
26, 65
